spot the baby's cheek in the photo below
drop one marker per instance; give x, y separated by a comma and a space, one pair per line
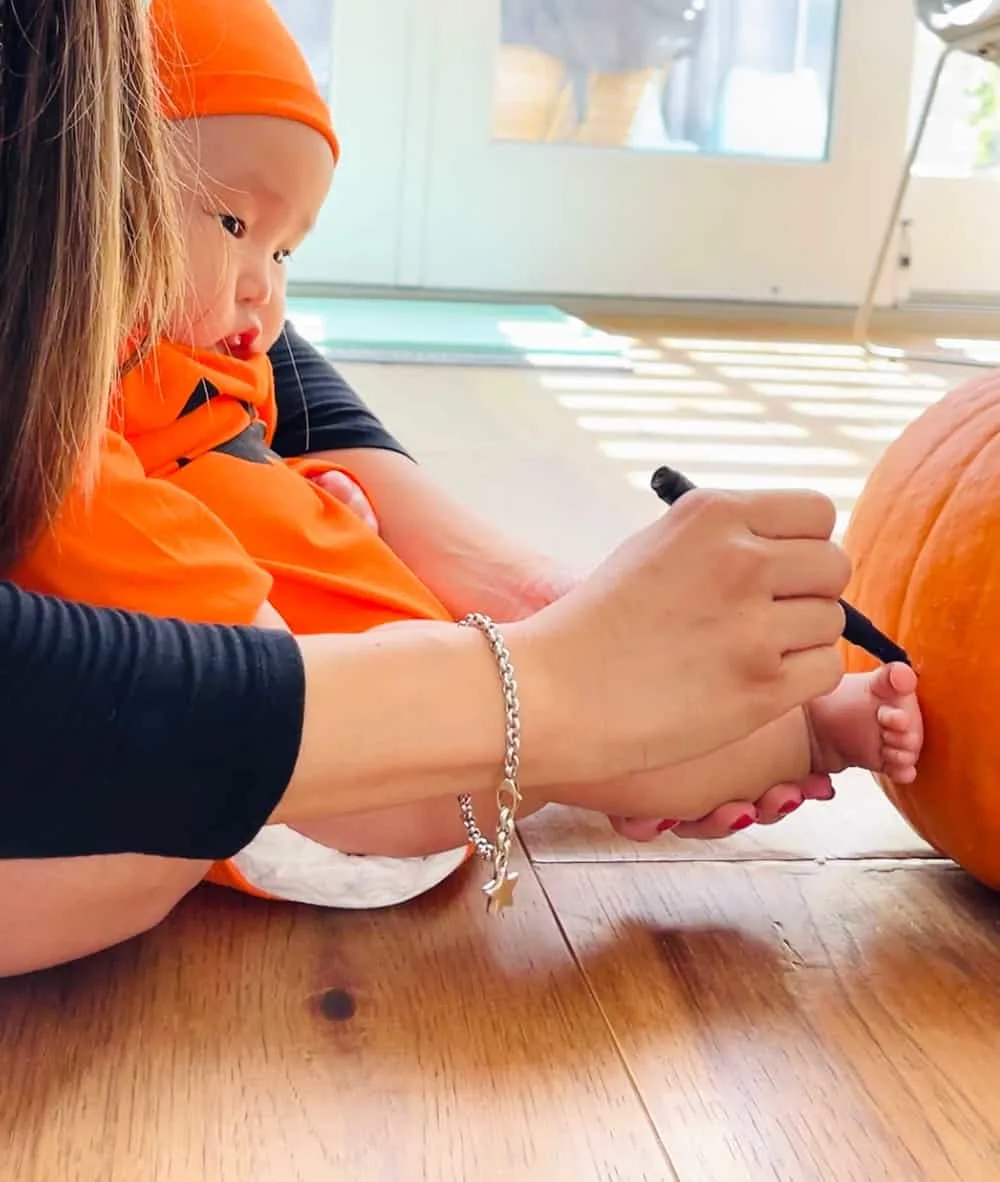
206, 315
272, 319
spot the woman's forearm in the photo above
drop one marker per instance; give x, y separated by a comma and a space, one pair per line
413, 713
469, 564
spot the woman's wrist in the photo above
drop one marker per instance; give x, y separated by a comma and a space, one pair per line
414, 712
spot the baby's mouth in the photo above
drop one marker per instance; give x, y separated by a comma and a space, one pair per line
241, 344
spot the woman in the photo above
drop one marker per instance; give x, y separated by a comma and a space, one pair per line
126, 734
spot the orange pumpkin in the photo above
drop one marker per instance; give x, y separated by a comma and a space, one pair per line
925, 542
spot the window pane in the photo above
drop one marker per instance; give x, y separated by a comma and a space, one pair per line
311, 24
963, 132
743, 77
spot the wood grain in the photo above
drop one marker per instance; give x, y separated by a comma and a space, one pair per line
860, 823
800, 1024
243, 1042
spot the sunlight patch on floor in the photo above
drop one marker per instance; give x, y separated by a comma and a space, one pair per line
799, 348
660, 405
720, 428
710, 452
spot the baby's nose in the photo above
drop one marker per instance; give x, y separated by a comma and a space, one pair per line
256, 286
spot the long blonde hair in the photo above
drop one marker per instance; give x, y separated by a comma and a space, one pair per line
88, 239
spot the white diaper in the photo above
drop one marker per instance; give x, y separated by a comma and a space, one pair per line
285, 864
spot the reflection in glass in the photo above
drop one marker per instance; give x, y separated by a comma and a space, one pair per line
311, 24
963, 130
743, 77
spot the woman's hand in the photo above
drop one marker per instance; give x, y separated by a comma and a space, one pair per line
717, 619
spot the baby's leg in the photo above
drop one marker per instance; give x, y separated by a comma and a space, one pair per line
60, 909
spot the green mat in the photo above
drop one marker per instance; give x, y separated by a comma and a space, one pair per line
454, 333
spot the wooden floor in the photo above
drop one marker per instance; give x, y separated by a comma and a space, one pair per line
808, 1003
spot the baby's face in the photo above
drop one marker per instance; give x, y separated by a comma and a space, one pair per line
252, 189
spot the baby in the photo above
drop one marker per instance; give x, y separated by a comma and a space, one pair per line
193, 515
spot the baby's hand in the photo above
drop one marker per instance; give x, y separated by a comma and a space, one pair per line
349, 493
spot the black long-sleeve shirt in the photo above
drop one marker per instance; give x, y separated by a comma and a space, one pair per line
121, 733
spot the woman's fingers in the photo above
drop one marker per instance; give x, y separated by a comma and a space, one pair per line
736, 816
791, 515
807, 569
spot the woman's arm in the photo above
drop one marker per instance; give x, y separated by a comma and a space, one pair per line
469, 564
317, 410
122, 733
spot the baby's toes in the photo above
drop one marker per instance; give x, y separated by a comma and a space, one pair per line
902, 727
889, 683
909, 741
893, 718
900, 764
903, 771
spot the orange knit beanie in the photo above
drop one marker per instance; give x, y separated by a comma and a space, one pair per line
233, 57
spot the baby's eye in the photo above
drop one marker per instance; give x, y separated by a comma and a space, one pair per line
281, 256
233, 225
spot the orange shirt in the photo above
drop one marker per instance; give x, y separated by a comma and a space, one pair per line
194, 516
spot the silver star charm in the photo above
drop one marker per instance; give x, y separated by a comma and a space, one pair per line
500, 892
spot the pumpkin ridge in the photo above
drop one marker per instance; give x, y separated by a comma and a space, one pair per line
947, 496
893, 620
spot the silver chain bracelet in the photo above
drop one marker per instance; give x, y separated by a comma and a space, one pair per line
499, 890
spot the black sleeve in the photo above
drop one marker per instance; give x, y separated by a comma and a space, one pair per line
317, 409
126, 734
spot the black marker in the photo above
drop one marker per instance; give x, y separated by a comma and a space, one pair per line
670, 485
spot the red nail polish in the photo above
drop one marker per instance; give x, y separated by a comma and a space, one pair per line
789, 807
665, 825
743, 823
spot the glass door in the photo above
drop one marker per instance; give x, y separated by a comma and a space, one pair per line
741, 149
361, 56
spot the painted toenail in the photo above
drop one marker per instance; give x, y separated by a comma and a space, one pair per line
789, 807
743, 823
665, 825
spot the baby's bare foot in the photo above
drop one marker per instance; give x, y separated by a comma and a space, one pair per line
872, 721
